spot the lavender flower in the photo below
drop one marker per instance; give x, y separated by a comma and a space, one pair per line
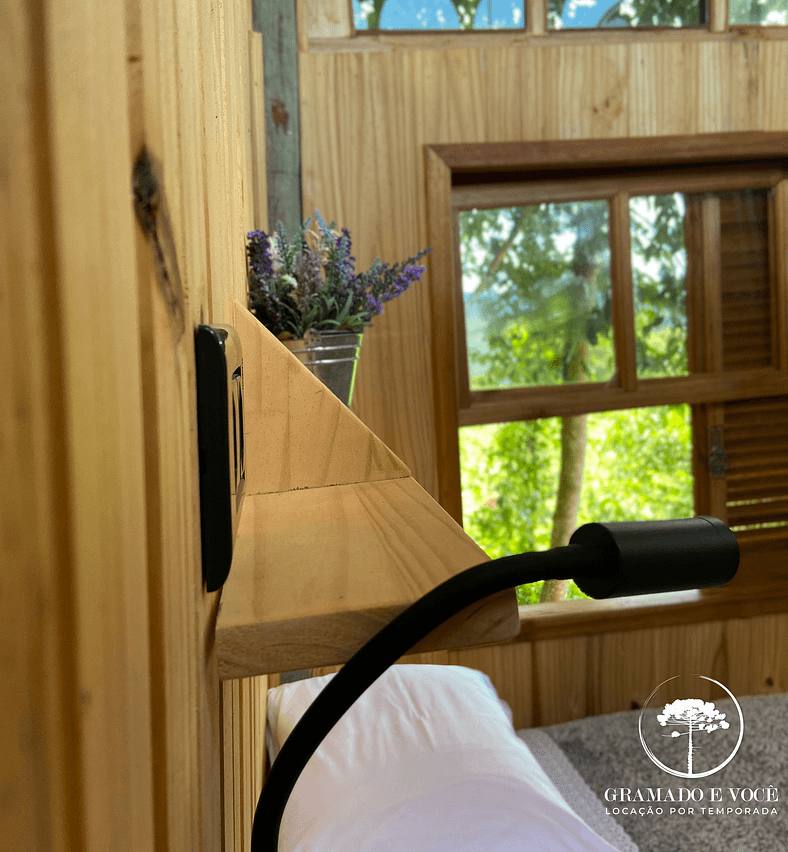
311, 282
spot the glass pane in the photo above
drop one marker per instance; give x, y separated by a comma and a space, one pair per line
437, 15
764, 12
637, 465
659, 270
565, 14
536, 288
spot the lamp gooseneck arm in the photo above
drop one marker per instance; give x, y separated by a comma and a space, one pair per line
387, 646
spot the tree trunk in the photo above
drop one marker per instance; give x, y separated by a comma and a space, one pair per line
570, 480
567, 503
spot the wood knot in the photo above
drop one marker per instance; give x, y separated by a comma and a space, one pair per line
280, 115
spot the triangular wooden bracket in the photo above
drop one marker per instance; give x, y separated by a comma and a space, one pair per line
335, 537
298, 434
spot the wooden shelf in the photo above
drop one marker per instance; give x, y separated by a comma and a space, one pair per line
336, 537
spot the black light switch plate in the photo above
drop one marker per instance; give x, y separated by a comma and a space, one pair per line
220, 438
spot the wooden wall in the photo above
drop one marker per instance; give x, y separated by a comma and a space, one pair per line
116, 731
557, 680
369, 105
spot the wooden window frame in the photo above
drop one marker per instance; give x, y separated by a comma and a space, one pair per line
335, 19
730, 160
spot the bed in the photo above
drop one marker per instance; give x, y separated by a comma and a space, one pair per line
427, 759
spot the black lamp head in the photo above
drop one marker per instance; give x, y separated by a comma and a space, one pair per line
659, 556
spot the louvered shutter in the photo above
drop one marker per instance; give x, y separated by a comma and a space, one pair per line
741, 447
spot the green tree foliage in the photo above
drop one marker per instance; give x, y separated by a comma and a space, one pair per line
637, 468
633, 13
532, 303
765, 12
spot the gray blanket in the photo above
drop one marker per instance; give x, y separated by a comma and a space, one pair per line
604, 753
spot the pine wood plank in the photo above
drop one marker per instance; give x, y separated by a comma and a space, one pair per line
719, 13
536, 18
317, 571
76, 747
298, 434
329, 19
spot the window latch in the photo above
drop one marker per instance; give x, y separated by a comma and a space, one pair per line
718, 461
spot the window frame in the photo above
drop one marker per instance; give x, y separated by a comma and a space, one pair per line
525, 403
450, 168
715, 15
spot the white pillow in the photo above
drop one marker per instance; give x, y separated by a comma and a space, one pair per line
426, 760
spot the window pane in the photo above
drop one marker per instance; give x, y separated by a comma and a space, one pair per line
637, 465
536, 290
437, 14
565, 14
765, 12
659, 269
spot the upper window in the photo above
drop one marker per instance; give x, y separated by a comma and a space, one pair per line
413, 15
596, 277
761, 12
564, 14
437, 14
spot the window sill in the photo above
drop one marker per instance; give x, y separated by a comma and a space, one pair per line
760, 588
383, 41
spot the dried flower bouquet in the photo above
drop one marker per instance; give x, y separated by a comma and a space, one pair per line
310, 282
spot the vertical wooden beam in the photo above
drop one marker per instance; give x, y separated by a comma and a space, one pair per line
719, 15
258, 141
536, 17
440, 271
712, 340
622, 309
778, 253
276, 20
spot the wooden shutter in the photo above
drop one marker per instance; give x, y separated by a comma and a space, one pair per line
741, 447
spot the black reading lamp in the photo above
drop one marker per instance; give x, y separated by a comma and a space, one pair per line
605, 561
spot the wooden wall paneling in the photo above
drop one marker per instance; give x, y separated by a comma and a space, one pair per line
775, 68
76, 747
560, 676
185, 702
41, 807
714, 87
106, 647
327, 19
768, 669
632, 664
745, 60
609, 107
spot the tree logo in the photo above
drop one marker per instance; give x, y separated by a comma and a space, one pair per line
690, 737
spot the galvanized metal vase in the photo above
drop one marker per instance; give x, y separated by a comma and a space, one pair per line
331, 356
